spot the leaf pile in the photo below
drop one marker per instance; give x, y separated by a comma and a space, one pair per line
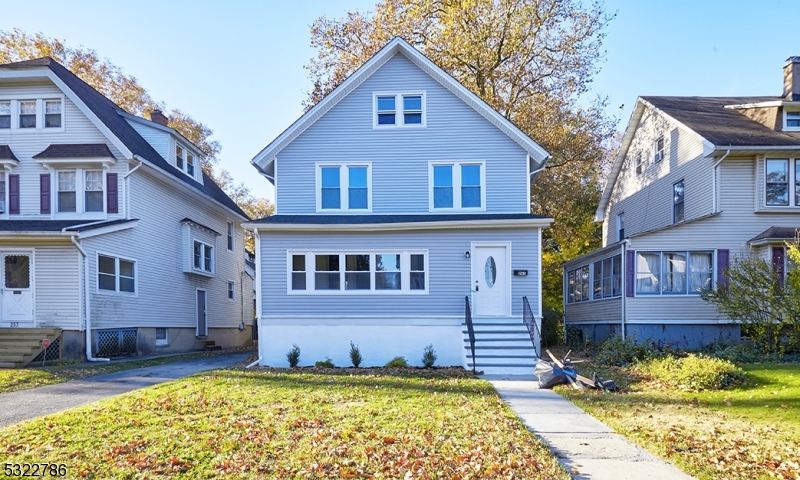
282, 424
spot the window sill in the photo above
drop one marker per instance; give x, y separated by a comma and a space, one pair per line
111, 293
10, 131
201, 273
370, 293
778, 209
456, 210
341, 211
389, 127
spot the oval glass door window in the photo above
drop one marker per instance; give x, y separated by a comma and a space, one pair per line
491, 272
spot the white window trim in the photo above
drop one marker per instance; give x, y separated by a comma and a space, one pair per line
203, 271
658, 155
343, 187
456, 185
230, 233
787, 128
661, 253
792, 174
399, 118
196, 160
80, 194
117, 291
228, 290
39, 114
405, 271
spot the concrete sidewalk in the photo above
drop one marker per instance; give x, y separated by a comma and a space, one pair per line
585, 447
40, 401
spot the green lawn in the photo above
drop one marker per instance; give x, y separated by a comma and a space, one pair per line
12, 379
292, 424
749, 432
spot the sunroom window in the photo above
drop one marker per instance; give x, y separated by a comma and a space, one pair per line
357, 272
670, 273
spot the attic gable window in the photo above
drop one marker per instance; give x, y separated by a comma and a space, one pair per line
399, 110
190, 164
5, 114
658, 149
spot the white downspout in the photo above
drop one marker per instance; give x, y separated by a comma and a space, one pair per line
624, 274
86, 315
714, 179
127, 203
259, 302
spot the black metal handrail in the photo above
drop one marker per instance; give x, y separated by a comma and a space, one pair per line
533, 327
470, 330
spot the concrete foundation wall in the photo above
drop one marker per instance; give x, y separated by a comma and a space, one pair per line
674, 335
378, 343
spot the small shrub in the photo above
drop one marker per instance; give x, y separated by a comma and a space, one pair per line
621, 353
293, 355
692, 373
355, 355
552, 328
397, 362
574, 335
327, 363
429, 356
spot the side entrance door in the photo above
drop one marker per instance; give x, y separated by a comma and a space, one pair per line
491, 280
202, 325
17, 290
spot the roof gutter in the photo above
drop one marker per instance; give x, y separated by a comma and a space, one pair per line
369, 227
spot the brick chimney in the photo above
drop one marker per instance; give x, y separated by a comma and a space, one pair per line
161, 119
791, 79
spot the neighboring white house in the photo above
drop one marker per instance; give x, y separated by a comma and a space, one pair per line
107, 220
697, 182
403, 200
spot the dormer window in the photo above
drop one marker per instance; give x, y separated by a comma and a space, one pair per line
179, 157
658, 149
399, 109
791, 120
5, 114
190, 164
27, 114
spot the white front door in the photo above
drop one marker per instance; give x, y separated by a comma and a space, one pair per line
491, 280
17, 290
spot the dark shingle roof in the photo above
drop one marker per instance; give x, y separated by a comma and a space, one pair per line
189, 220
776, 233
723, 126
76, 150
54, 225
107, 112
373, 219
6, 153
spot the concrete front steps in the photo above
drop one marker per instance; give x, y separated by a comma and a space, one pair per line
19, 346
502, 346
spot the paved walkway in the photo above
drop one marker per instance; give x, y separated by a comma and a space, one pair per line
585, 447
37, 402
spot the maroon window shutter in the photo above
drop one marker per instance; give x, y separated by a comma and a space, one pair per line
630, 272
112, 198
778, 262
13, 194
723, 257
44, 193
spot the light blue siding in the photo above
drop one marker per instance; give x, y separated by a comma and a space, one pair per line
400, 156
449, 275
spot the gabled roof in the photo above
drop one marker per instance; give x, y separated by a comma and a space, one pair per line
6, 153
711, 120
264, 159
76, 150
108, 113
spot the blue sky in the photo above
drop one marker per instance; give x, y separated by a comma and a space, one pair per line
237, 65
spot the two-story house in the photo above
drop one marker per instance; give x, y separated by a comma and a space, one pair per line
697, 181
402, 204
112, 239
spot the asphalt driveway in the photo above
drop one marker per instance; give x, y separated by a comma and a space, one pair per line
40, 401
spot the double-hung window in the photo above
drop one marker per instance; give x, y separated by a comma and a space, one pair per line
52, 114
203, 257
791, 120
358, 272
231, 290
115, 274
80, 191
2, 192
621, 227
637, 161
27, 114
190, 164
230, 232
671, 273
658, 149
344, 187
457, 185
677, 202
5, 114
179, 157
782, 175
399, 109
